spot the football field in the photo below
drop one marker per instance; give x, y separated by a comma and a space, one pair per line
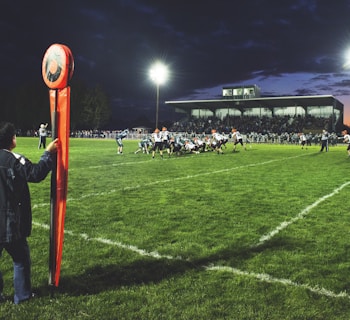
255, 234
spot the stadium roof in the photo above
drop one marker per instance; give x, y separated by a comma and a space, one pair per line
261, 102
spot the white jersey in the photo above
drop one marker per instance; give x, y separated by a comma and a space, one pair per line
42, 132
199, 142
189, 146
217, 136
237, 135
165, 135
157, 137
347, 138
324, 135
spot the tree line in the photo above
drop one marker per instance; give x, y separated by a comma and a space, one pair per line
28, 105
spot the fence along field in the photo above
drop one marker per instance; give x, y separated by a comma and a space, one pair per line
271, 219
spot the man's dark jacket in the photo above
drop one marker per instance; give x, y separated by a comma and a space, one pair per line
15, 207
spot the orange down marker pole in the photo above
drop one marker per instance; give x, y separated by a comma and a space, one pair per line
57, 70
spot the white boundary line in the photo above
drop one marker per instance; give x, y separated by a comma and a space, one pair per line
301, 215
259, 276
97, 194
84, 236
113, 165
117, 164
267, 278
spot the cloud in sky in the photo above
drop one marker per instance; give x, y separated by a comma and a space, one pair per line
285, 47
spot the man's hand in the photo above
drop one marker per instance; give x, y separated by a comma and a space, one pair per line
52, 146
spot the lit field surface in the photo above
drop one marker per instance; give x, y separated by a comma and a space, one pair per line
255, 234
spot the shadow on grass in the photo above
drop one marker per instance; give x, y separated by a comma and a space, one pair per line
143, 271
101, 278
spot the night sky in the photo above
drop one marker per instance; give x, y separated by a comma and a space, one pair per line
285, 47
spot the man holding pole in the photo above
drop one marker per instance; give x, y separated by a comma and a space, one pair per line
15, 208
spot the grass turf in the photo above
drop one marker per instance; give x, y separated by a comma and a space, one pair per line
181, 238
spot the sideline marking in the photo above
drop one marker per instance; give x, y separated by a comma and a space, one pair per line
113, 165
259, 276
117, 164
267, 278
139, 186
84, 236
301, 215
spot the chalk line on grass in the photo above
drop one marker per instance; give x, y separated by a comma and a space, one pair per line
154, 254
113, 165
152, 183
259, 276
84, 236
267, 278
118, 164
301, 215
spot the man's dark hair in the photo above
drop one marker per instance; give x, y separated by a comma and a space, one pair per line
7, 131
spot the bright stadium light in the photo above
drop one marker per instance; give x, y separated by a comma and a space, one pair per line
347, 59
158, 74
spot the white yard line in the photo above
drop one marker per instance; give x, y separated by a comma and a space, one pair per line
259, 276
84, 236
139, 186
267, 278
299, 216
154, 254
113, 165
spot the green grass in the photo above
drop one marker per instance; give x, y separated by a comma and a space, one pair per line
180, 238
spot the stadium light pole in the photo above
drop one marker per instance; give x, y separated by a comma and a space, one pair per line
158, 74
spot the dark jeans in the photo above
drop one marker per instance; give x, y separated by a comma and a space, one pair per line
324, 145
20, 254
42, 142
